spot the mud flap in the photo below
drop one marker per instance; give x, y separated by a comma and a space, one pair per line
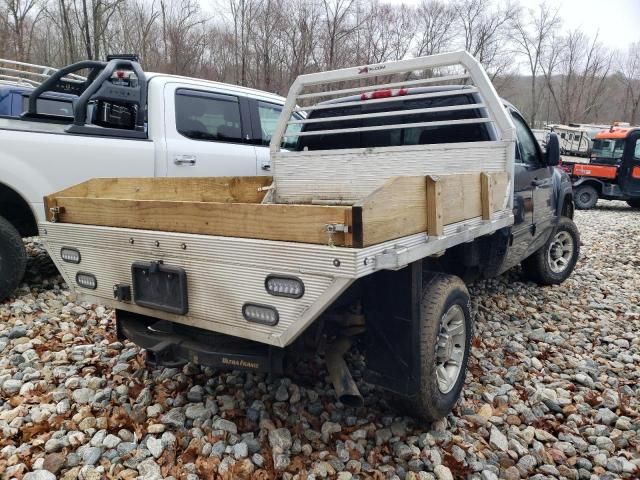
392, 309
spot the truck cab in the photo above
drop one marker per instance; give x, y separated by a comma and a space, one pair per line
614, 170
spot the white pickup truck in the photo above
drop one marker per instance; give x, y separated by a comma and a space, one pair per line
127, 123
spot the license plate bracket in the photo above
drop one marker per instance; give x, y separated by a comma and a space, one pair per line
159, 286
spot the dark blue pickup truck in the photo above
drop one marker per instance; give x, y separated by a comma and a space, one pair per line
14, 98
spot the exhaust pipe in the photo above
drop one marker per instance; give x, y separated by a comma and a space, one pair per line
343, 383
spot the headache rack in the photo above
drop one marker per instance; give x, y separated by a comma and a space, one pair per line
348, 175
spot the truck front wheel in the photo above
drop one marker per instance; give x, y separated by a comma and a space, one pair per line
585, 197
552, 263
13, 258
446, 327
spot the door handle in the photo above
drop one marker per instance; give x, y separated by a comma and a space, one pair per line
189, 160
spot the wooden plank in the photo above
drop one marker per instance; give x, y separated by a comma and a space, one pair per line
294, 223
499, 190
460, 197
435, 218
486, 182
396, 209
195, 189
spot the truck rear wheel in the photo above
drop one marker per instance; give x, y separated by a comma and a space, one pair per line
634, 202
552, 263
585, 197
446, 328
13, 258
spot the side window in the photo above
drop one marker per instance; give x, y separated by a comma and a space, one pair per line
208, 116
636, 152
527, 144
269, 114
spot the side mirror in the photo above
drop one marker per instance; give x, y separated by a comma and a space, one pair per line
552, 152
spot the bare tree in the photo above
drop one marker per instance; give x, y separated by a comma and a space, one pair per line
485, 32
532, 33
387, 33
268, 43
435, 27
339, 23
243, 12
183, 35
575, 73
630, 74
21, 17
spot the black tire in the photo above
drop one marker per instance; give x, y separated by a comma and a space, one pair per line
634, 202
13, 258
543, 267
585, 197
440, 294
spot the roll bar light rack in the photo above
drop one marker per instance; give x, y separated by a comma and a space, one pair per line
96, 87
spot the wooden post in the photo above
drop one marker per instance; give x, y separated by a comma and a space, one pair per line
435, 225
486, 195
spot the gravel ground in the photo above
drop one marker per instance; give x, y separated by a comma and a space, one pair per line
552, 391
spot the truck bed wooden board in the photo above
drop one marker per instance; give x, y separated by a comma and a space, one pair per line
231, 206
292, 223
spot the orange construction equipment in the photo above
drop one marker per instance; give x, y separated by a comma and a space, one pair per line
597, 171
614, 170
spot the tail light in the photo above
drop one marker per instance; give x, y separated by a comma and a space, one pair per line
264, 314
86, 280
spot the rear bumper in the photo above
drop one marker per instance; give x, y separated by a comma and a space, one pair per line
167, 345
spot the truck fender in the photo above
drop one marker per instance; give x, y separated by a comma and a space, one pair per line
563, 191
598, 184
26, 181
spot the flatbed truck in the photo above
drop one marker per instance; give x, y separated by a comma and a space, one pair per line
412, 178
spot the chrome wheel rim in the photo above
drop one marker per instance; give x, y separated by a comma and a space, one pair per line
560, 252
450, 347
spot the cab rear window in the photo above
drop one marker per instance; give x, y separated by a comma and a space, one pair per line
398, 136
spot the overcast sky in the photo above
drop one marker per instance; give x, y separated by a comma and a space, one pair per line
618, 21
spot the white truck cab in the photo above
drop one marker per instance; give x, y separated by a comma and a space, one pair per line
127, 123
